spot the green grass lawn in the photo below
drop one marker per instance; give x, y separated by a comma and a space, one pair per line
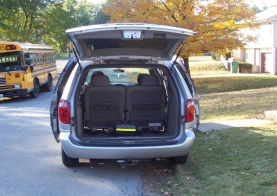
232, 98
228, 84
237, 161
206, 67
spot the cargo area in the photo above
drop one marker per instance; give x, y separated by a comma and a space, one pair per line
128, 102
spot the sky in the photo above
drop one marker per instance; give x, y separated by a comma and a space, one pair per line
97, 1
259, 3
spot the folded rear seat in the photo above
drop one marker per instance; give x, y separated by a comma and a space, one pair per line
145, 103
103, 104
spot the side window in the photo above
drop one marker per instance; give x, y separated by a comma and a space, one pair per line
40, 58
35, 58
31, 58
45, 58
50, 57
183, 72
63, 78
164, 81
163, 76
53, 57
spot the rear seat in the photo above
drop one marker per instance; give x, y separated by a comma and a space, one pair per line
141, 105
104, 104
145, 103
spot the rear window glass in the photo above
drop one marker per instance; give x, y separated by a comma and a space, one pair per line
119, 75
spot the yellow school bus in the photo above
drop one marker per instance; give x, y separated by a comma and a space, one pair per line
26, 69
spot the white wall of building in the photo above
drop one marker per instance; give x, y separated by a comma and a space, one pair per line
275, 34
262, 53
266, 44
274, 52
249, 56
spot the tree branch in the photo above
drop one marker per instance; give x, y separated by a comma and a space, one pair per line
172, 14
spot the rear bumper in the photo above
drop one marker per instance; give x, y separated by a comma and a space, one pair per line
14, 92
182, 147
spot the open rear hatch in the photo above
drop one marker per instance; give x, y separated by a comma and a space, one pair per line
127, 41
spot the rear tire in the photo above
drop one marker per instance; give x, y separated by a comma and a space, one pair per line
68, 161
180, 159
48, 85
36, 90
196, 129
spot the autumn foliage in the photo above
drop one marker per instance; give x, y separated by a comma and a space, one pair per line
217, 22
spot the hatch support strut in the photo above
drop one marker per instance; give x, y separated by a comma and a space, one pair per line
178, 54
75, 52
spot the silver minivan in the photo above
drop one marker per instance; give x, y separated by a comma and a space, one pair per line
126, 96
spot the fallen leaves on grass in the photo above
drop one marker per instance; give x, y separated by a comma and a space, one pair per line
237, 105
228, 84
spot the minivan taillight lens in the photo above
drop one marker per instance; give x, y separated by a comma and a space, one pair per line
63, 112
190, 110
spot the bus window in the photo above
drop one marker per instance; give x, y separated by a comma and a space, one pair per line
40, 58
10, 62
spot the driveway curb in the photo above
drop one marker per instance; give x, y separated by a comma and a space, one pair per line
222, 125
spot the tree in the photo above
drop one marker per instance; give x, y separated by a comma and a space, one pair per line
19, 19
60, 17
85, 12
256, 9
217, 22
45, 21
64, 15
100, 17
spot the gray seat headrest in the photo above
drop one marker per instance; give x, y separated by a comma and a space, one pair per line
99, 80
98, 72
140, 76
149, 80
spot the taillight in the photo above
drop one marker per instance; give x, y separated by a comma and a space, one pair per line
190, 110
63, 112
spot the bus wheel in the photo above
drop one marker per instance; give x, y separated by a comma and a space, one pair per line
48, 85
35, 92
